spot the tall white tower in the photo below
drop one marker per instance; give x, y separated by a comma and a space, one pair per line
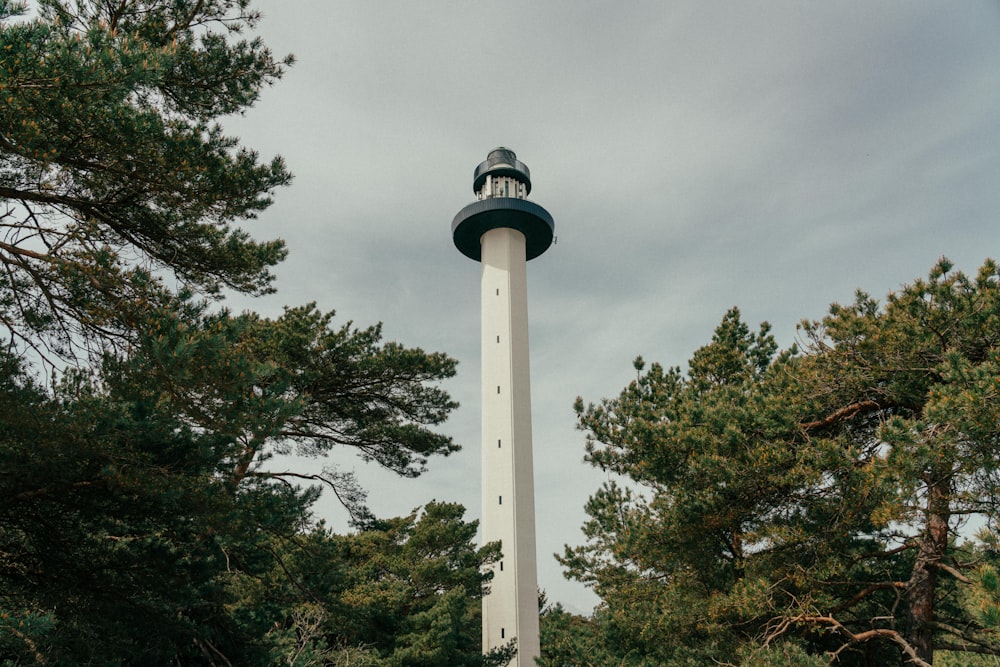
503, 230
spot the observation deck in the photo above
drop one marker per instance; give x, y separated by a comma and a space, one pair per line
502, 183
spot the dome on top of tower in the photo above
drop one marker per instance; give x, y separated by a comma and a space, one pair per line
501, 162
501, 155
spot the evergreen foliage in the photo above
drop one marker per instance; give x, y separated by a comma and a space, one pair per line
144, 518
806, 506
401, 592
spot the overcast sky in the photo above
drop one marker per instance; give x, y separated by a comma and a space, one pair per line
695, 155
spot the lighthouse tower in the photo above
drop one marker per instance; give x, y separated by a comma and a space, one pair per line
502, 230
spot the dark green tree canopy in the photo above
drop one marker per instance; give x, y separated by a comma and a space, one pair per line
120, 199
142, 505
808, 504
271, 386
114, 170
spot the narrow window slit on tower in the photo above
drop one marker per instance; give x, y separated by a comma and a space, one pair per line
501, 566
498, 444
501, 633
498, 339
501, 500
498, 389
498, 291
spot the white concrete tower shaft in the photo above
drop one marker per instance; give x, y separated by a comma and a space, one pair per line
508, 509
503, 230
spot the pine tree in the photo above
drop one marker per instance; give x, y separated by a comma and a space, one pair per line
114, 170
139, 491
811, 499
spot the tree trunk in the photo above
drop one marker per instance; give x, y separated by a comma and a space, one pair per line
923, 580
241, 468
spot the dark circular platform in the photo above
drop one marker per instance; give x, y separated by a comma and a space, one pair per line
481, 216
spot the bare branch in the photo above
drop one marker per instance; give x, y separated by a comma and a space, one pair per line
868, 590
950, 570
843, 413
852, 638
